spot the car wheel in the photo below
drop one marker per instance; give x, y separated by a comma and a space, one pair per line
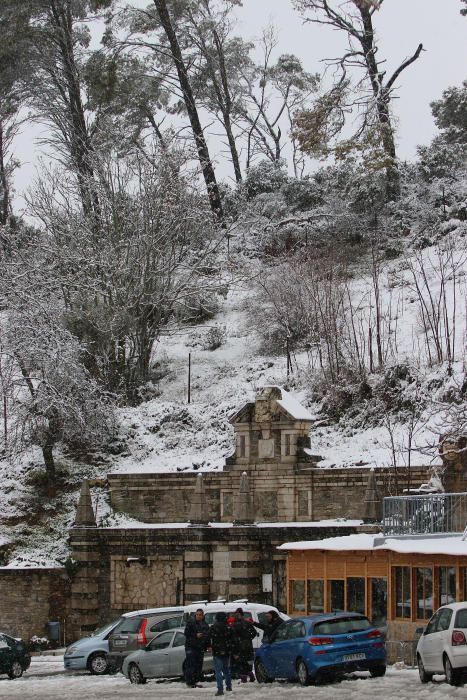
424, 676
135, 675
302, 673
378, 671
452, 676
98, 664
261, 673
16, 670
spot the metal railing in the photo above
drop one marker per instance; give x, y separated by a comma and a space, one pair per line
433, 514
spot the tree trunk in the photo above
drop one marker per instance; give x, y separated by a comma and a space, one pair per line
201, 145
4, 188
382, 97
49, 462
79, 140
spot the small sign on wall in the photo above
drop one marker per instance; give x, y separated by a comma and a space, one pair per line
267, 583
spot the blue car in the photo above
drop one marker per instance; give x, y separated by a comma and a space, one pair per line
318, 646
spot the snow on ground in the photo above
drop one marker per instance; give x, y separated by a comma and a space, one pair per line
47, 681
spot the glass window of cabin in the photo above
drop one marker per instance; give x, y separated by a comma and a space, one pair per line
356, 595
447, 585
379, 600
315, 596
424, 592
298, 596
402, 593
337, 595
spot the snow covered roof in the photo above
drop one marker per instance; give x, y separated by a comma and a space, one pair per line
444, 544
293, 407
287, 402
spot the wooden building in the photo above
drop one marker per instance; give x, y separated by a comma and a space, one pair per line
397, 581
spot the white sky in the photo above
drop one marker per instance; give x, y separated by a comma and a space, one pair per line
401, 25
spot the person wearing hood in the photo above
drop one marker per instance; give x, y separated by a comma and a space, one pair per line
223, 643
244, 632
273, 620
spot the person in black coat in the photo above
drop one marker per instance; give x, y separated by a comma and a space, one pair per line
244, 632
224, 644
196, 643
270, 626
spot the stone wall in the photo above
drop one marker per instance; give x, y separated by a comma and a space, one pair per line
279, 494
29, 598
130, 568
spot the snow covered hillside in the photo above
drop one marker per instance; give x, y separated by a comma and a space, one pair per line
165, 433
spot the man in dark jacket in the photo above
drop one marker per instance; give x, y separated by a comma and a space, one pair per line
270, 626
196, 642
223, 643
242, 660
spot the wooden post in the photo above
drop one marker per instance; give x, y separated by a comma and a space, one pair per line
189, 377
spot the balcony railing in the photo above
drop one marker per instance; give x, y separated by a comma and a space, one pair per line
425, 515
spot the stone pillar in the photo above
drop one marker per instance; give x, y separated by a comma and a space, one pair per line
372, 501
199, 514
85, 516
85, 550
243, 509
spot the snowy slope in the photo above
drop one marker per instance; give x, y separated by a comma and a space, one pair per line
166, 433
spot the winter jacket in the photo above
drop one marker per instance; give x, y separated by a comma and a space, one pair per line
222, 639
244, 632
192, 641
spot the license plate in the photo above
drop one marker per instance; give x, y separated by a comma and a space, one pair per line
354, 657
120, 642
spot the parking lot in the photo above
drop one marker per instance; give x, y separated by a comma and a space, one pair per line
47, 680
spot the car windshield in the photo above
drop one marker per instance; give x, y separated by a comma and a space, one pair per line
106, 628
341, 625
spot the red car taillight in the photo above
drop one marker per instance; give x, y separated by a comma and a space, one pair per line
373, 634
458, 638
320, 641
142, 639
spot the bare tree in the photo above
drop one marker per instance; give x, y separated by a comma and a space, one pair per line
121, 286
355, 19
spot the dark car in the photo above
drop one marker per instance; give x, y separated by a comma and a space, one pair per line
137, 628
14, 656
317, 646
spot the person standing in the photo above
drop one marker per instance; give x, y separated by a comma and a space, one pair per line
244, 633
223, 643
196, 642
273, 620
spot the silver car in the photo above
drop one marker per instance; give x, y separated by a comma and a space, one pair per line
91, 653
163, 657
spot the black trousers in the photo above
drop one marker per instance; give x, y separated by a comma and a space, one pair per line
193, 665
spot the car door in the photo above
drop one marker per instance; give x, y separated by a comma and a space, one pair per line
427, 646
5, 655
293, 648
154, 660
275, 652
439, 638
177, 654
